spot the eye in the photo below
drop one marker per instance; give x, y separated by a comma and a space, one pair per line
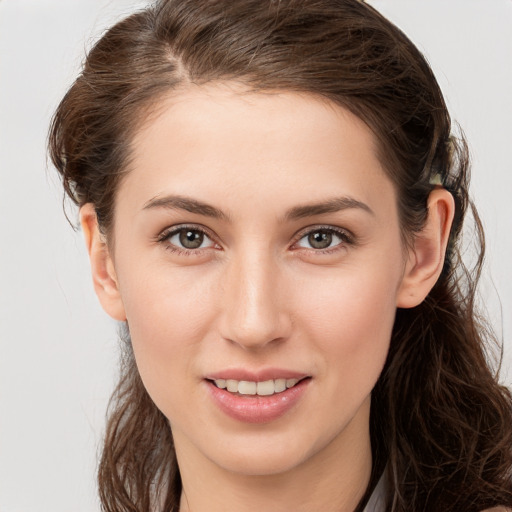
187, 239
323, 238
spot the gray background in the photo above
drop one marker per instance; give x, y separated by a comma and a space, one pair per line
58, 350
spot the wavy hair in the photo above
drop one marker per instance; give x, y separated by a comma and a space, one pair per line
441, 425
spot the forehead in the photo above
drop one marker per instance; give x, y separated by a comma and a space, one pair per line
266, 114
223, 139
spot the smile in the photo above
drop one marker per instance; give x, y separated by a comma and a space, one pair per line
264, 388
257, 401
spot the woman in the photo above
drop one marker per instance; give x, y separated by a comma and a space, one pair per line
271, 198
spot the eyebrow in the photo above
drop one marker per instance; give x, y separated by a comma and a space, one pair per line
188, 204
330, 206
185, 203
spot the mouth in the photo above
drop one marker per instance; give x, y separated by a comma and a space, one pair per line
253, 388
260, 400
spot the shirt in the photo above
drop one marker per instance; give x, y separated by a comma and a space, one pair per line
376, 503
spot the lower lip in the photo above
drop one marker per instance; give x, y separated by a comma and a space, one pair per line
255, 408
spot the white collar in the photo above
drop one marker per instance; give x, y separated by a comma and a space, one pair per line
377, 502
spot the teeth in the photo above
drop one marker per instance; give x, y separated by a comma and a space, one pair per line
247, 388
291, 382
232, 385
265, 388
220, 383
279, 385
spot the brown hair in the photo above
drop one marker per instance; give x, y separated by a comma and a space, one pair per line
440, 423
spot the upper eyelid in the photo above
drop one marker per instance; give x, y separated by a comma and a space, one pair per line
165, 233
164, 239
311, 229
171, 230
347, 239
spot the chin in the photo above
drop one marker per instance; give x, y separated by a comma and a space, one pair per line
262, 463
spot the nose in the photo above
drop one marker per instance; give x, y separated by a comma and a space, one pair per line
254, 312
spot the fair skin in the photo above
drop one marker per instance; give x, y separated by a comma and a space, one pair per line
257, 235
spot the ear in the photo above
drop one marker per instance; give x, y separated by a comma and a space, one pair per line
102, 267
426, 256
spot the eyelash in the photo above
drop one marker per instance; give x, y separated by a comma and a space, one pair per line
345, 237
166, 235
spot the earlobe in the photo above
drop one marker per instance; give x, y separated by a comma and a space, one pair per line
426, 256
102, 267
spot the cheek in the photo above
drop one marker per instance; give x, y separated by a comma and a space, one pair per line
168, 316
162, 302
350, 319
351, 301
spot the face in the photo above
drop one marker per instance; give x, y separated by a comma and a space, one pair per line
257, 246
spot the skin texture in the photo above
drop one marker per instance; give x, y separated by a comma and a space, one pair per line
256, 294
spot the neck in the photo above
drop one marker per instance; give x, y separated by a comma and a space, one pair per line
335, 478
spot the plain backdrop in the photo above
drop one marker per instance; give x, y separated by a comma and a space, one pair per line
58, 350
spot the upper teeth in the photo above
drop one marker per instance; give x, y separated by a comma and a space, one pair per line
265, 388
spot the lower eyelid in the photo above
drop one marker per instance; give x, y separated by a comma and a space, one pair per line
345, 238
166, 236
177, 233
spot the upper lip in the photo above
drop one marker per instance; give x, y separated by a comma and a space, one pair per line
256, 375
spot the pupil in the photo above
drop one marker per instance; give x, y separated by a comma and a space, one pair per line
191, 239
320, 239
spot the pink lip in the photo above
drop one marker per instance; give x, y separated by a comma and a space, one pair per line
255, 376
254, 408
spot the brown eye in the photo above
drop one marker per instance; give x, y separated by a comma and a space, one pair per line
320, 239
324, 238
191, 238
188, 239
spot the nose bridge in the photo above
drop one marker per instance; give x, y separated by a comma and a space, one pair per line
253, 313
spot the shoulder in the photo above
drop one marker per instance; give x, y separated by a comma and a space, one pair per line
497, 509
